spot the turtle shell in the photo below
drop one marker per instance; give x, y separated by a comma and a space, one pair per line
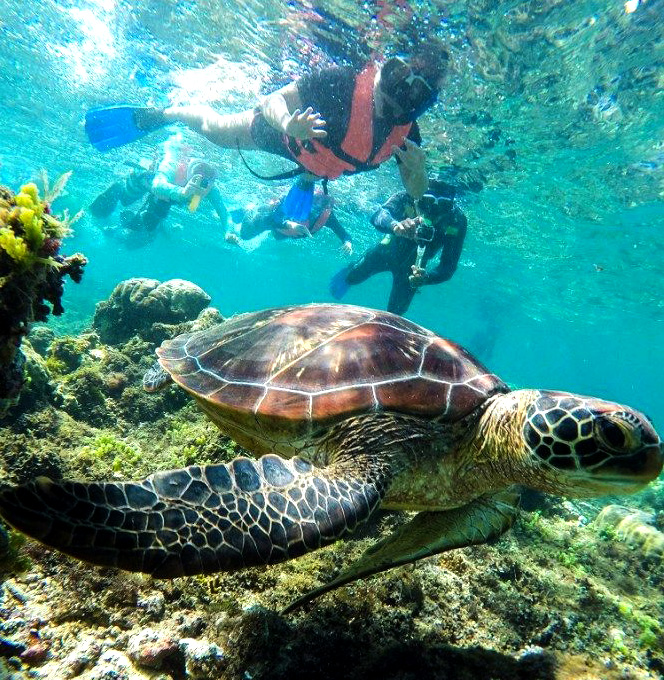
278, 376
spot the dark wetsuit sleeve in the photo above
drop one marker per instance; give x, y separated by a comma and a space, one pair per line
265, 219
336, 226
451, 251
393, 211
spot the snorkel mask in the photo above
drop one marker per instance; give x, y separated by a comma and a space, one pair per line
407, 94
208, 173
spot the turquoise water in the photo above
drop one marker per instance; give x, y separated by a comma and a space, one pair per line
560, 281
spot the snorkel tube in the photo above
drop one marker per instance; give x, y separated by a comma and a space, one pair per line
196, 198
208, 175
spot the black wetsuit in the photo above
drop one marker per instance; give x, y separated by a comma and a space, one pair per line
269, 218
125, 191
397, 254
330, 93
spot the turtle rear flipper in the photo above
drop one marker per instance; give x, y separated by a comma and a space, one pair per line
156, 378
429, 533
201, 519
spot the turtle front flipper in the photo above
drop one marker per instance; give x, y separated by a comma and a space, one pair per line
200, 519
429, 533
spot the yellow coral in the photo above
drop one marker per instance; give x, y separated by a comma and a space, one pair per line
31, 190
16, 248
26, 216
32, 226
24, 200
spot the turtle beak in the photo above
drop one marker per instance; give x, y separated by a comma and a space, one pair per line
641, 467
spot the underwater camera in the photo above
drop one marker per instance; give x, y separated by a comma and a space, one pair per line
424, 233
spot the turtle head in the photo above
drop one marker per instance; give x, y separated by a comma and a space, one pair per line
592, 447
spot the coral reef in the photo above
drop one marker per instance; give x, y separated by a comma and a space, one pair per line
147, 308
31, 276
40, 338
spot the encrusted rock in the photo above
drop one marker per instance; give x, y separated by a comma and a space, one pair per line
38, 389
40, 338
154, 605
149, 649
10, 647
114, 665
192, 625
210, 316
203, 660
135, 305
635, 527
85, 654
35, 654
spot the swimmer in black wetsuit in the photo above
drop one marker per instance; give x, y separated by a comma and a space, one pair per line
125, 191
439, 228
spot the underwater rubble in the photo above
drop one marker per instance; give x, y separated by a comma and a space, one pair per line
573, 591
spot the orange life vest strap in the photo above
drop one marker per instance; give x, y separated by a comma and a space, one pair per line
358, 139
324, 216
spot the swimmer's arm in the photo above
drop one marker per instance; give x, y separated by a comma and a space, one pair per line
450, 254
283, 111
218, 204
338, 229
383, 220
278, 106
164, 189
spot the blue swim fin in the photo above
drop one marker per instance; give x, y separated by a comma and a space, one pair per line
338, 284
114, 126
297, 204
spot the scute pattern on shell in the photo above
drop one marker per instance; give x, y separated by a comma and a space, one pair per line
321, 363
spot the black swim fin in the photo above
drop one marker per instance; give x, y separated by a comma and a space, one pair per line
113, 126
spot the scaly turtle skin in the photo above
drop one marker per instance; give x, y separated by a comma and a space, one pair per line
347, 410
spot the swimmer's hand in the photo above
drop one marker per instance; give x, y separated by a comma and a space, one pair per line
192, 187
305, 125
406, 228
418, 277
231, 238
295, 229
412, 167
347, 248
412, 156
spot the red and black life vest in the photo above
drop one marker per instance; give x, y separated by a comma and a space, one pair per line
354, 152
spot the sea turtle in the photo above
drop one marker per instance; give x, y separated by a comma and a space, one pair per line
347, 410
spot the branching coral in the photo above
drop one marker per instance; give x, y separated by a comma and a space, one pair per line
31, 273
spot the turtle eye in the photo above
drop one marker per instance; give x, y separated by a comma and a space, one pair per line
612, 434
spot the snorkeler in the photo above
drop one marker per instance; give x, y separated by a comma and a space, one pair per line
288, 219
125, 191
416, 231
330, 122
178, 179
